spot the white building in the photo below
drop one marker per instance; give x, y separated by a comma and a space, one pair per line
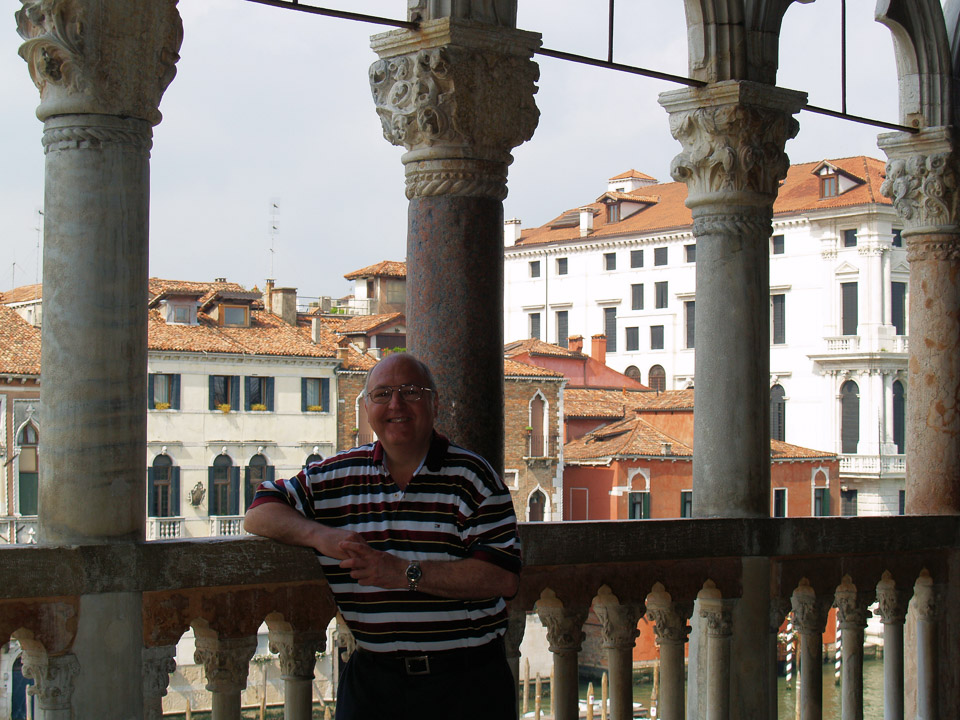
625, 266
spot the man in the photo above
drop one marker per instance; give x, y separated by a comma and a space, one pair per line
417, 538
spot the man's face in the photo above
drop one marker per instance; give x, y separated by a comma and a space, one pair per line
402, 426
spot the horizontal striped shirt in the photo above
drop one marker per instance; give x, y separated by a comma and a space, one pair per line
455, 507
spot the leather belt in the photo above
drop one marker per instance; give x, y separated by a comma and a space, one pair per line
434, 663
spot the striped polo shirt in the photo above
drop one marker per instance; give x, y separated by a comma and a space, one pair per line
455, 507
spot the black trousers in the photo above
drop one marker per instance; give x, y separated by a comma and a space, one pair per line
373, 687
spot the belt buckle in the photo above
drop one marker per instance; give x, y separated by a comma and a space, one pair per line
417, 665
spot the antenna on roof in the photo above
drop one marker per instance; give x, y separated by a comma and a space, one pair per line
274, 230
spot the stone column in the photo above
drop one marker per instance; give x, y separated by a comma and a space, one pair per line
226, 663
852, 615
810, 613
516, 628
158, 663
719, 626
618, 623
923, 180
925, 605
565, 635
892, 609
670, 627
458, 95
54, 683
298, 656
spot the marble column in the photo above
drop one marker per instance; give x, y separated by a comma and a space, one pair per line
458, 95
810, 613
892, 610
226, 663
298, 656
852, 616
719, 625
618, 624
158, 663
925, 605
923, 180
565, 636
670, 626
516, 628
54, 683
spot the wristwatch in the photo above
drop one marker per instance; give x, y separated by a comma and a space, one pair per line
414, 573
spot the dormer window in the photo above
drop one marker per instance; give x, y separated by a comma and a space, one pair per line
234, 315
828, 186
613, 212
834, 180
181, 314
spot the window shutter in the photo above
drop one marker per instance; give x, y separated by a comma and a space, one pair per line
269, 392
234, 490
247, 490
151, 492
150, 379
849, 308
174, 392
246, 392
849, 417
898, 306
212, 509
303, 394
211, 383
826, 501
270, 473
175, 490
325, 394
235, 394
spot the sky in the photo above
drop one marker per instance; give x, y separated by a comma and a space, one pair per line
273, 107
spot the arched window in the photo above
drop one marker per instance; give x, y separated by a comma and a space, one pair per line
778, 413
28, 469
223, 490
538, 502
633, 372
314, 458
537, 436
657, 378
163, 488
899, 416
257, 470
849, 417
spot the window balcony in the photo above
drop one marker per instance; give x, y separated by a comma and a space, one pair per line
226, 526
164, 528
873, 466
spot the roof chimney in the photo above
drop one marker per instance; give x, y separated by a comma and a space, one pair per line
666, 448
284, 303
315, 326
511, 231
575, 343
598, 350
268, 295
343, 349
220, 280
586, 221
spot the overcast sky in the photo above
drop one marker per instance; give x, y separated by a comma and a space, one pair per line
270, 104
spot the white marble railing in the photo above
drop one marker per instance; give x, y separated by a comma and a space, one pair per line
873, 464
19, 530
843, 343
226, 525
166, 528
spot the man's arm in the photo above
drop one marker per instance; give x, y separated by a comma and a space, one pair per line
285, 524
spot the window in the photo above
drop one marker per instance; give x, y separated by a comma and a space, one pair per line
224, 392
609, 261
315, 394
259, 393
660, 290
779, 502
561, 266
778, 332
563, 327
636, 296
163, 391
778, 413
821, 502
632, 372
234, 315
656, 337
849, 417
163, 488
613, 212
181, 314
536, 506
28, 462
633, 339
610, 328
313, 458
828, 186
686, 503
660, 256
639, 507
534, 268
777, 244
537, 435
223, 487
897, 237
902, 502
535, 325
898, 307
256, 472
848, 308
657, 378
689, 252
899, 416
850, 238
636, 258
848, 503
689, 308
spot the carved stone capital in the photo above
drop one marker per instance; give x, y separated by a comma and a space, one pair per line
669, 618
158, 664
923, 180
53, 678
516, 627
752, 226
225, 662
564, 625
95, 132
809, 611
924, 598
297, 651
459, 97
852, 612
892, 601
733, 135
779, 609
618, 622
108, 57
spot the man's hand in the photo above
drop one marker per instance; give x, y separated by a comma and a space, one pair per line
373, 567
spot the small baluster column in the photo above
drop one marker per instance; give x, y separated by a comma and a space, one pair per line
925, 605
54, 682
670, 626
618, 624
516, 628
779, 609
158, 664
719, 628
852, 615
226, 663
565, 635
892, 609
810, 613
298, 656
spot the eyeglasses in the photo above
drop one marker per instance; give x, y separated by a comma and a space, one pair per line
408, 393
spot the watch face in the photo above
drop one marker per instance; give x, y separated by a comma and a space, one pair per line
414, 572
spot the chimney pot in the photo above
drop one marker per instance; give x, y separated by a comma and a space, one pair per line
666, 448
586, 221
598, 350
575, 343
511, 232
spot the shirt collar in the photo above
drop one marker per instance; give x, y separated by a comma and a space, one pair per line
435, 453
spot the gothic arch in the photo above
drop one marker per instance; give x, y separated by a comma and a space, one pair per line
546, 509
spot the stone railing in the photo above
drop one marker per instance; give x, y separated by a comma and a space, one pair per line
18, 529
164, 528
226, 526
873, 465
843, 343
623, 571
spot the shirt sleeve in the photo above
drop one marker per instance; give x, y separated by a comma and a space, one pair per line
294, 492
491, 530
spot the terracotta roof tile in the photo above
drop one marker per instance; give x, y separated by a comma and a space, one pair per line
386, 268
355, 324
516, 368
19, 344
633, 174
537, 347
785, 451
601, 404
24, 293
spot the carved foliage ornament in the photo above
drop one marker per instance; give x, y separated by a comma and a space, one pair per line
732, 148
924, 189
53, 30
53, 678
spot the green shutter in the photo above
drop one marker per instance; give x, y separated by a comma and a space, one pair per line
212, 508
303, 394
325, 394
235, 394
246, 393
150, 379
268, 390
174, 391
151, 490
175, 489
211, 382
234, 490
